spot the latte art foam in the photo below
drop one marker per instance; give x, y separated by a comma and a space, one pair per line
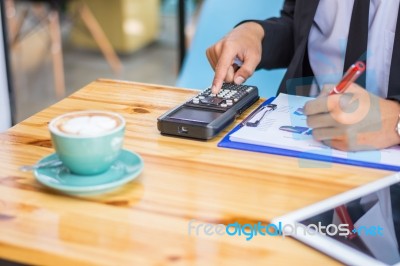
87, 124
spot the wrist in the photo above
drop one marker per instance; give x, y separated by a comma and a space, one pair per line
396, 126
255, 28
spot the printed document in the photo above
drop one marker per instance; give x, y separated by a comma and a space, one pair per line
286, 128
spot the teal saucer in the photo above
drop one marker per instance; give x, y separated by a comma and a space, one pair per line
127, 167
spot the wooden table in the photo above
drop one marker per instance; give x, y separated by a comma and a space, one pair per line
146, 221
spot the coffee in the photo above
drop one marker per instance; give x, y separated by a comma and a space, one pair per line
86, 123
88, 142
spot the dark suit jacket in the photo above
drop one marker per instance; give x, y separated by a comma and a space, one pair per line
285, 46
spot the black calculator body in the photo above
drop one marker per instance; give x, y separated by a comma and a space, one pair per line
206, 114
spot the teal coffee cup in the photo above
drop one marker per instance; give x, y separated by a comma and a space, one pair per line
88, 142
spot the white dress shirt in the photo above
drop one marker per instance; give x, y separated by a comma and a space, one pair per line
328, 40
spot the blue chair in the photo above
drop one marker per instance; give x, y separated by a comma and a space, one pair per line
215, 20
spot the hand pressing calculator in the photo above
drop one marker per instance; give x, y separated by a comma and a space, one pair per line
206, 114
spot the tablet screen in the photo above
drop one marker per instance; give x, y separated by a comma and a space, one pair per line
370, 224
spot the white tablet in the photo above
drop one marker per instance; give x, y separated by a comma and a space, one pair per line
358, 227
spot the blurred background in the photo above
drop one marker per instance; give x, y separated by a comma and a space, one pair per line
57, 47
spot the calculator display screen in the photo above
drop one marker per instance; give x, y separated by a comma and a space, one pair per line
195, 115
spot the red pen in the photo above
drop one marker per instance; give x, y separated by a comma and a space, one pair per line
349, 77
345, 218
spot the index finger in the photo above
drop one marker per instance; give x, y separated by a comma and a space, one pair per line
221, 69
326, 90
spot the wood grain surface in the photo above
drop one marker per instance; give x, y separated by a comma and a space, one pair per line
146, 221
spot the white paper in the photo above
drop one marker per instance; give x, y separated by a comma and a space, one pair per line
274, 131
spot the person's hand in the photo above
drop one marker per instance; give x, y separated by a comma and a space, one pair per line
243, 43
354, 120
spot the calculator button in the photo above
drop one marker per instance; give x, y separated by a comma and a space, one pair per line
224, 105
201, 97
235, 99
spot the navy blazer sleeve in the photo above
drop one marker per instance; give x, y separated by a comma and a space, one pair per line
278, 43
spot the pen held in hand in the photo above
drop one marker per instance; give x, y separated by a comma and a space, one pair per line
349, 77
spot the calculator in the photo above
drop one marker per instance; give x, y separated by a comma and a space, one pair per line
206, 114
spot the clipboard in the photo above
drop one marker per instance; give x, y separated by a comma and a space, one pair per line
227, 143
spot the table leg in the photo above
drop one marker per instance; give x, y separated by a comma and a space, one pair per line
56, 53
100, 38
14, 23
181, 31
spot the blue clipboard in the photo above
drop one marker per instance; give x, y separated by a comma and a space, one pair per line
227, 143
